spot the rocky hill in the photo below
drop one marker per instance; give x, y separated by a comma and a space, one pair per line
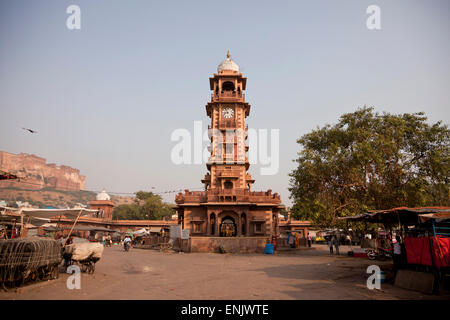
36, 174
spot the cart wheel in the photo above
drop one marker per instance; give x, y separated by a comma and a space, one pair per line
54, 273
91, 267
19, 281
41, 274
34, 276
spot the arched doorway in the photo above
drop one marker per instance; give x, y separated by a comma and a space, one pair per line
228, 227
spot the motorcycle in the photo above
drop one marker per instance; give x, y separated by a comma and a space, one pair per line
379, 254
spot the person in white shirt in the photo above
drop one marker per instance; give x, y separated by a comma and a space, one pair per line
397, 257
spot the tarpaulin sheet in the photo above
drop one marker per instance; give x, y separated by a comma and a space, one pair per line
441, 247
418, 251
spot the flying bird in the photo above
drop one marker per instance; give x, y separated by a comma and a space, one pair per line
31, 131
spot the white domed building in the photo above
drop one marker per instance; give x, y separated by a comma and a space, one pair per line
104, 204
103, 196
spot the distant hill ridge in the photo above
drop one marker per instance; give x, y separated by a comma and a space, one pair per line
36, 173
55, 198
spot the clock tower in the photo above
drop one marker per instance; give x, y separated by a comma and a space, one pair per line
228, 163
228, 213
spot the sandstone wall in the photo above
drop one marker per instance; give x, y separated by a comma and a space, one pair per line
38, 174
232, 244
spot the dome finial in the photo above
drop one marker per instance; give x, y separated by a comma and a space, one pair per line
228, 64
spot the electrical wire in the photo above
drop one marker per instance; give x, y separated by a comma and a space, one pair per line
118, 193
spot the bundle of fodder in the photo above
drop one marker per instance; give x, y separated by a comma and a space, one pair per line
28, 259
84, 251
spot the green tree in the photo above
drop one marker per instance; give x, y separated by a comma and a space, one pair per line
370, 161
147, 206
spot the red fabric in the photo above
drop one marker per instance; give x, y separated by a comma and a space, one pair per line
441, 248
418, 251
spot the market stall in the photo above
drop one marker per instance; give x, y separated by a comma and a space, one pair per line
424, 234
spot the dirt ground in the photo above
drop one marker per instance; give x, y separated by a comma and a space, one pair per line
148, 274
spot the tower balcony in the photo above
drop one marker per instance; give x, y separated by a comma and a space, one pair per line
228, 195
227, 96
191, 197
228, 125
228, 161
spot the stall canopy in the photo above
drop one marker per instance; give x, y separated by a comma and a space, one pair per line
13, 215
439, 216
78, 228
53, 213
401, 214
39, 217
47, 213
140, 232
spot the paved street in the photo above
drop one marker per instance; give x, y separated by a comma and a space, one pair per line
148, 274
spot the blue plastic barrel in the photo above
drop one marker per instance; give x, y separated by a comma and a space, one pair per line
382, 276
268, 249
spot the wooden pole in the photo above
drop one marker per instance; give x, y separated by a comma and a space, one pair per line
73, 226
21, 223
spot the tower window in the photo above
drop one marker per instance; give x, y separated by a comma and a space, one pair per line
228, 86
228, 184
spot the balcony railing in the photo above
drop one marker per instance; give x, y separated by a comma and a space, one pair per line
227, 95
236, 132
219, 159
228, 195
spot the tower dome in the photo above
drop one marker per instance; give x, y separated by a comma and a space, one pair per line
103, 195
228, 64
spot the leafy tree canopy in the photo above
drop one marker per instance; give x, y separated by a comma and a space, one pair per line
147, 206
370, 161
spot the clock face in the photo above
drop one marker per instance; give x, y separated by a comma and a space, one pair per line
227, 113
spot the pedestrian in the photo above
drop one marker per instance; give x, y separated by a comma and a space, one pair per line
348, 239
336, 244
397, 257
330, 244
126, 243
309, 240
291, 240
